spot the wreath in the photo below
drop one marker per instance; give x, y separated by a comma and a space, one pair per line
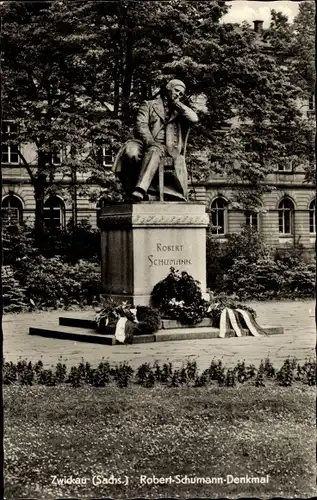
142, 320
220, 303
179, 297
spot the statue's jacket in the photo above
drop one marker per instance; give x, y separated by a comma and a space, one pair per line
152, 123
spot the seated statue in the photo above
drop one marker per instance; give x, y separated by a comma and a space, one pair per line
161, 129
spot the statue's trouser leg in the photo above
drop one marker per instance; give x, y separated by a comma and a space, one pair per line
150, 165
131, 155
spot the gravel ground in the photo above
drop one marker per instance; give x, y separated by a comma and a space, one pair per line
297, 318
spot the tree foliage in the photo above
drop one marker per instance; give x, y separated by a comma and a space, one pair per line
294, 47
75, 73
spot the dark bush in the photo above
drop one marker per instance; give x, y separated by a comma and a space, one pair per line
145, 375
248, 268
230, 378
285, 376
267, 279
300, 280
52, 272
13, 294
54, 283
123, 374
18, 243
9, 373
247, 245
259, 379
71, 244
46, 377
202, 380
255, 280
99, 377
191, 370
60, 372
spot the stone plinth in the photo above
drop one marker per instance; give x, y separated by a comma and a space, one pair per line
141, 242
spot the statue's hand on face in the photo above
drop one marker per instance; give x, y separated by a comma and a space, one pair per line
175, 94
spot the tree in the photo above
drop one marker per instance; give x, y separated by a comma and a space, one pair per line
252, 101
39, 53
294, 46
139, 46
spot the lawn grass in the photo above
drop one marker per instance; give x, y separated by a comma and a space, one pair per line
206, 432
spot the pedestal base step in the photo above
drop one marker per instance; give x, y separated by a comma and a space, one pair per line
77, 334
166, 324
87, 335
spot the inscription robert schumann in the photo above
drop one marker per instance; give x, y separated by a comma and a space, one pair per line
155, 260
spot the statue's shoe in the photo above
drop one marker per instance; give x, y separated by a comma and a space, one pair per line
137, 196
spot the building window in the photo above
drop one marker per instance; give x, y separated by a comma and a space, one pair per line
9, 152
54, 212
252, 220
312, 217
311, 106
107, 156
285, 166
56, 158
12, 210
219, 210
286, 217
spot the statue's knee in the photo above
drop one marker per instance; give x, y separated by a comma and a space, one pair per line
133, 151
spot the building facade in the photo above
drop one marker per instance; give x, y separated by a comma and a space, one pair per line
286, 217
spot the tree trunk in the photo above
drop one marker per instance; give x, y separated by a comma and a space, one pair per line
74, 197
39, 185
127, 73
116, 103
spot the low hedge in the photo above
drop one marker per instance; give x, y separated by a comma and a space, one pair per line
27, 373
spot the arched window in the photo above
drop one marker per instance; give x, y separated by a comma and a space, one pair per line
286, 216
252, 220
54, 212
219, 210
99, 206
12, 210
312, 217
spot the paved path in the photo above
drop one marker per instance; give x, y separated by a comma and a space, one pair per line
297, 318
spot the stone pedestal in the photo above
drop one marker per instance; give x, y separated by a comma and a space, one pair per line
141, 242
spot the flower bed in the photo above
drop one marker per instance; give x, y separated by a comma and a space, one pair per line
28, 374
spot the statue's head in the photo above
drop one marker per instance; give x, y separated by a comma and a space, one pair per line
175, 89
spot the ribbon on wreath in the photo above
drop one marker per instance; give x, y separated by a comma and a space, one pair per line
125, 329
230, 319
